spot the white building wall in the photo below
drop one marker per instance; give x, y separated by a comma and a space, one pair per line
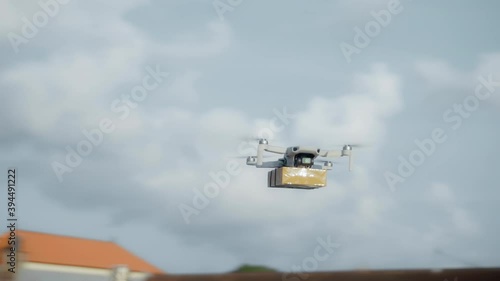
91, 273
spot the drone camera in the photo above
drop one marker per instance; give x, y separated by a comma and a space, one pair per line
304, 160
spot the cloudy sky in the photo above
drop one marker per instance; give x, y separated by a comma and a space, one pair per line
118, 115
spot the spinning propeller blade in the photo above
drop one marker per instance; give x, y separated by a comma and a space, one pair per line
245, 157
350, 161
355, 145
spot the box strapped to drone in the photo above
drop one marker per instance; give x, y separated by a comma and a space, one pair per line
293, 177
298, 166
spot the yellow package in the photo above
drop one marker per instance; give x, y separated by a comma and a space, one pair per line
297, 177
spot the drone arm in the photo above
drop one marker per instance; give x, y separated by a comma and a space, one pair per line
275, 149
271, 164
260, 152
330, 154
338, 153
349, 153
268, 148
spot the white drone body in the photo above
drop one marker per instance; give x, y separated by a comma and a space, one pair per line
297, 168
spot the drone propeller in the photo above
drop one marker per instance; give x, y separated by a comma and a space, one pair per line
350, 161
349, 147
250, 138
245, 157
355, 145
358, 145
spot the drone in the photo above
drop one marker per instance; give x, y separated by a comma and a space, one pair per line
298, 168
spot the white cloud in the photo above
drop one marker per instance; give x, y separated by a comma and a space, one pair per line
216, 40
358, 9
441, 76
73, 88
462, 220
490, 65
442, 193
221, 130
183, 87
358, 117
10, 17
78, 85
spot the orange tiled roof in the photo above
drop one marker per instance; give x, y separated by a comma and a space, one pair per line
72, 251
